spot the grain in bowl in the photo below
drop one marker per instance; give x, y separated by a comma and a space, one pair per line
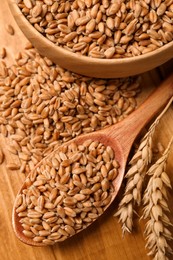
103, 29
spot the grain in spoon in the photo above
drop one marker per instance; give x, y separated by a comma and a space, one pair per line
63, 195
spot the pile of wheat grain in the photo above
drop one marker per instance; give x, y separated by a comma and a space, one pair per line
43, 105
103, 28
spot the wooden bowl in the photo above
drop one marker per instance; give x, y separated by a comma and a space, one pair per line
92, 67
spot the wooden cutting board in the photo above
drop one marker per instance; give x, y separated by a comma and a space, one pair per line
103, 240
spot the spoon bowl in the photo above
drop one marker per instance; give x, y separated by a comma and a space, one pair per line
119, 137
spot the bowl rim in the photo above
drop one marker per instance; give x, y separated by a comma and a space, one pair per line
76, 56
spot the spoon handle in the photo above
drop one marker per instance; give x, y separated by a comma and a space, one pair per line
133, 124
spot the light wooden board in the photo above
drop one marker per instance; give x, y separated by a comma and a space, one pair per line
103, 240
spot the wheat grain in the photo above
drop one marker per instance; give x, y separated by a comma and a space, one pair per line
92, 29
156, 207
2, 156
10, 29
135, 176
48, 105
55, 198
12, 166
3, 53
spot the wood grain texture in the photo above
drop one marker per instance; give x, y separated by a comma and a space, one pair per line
91, 66
102, 240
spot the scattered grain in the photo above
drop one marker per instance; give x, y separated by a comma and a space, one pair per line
48, 105
1, 156
12, 166
2, 53
10, 29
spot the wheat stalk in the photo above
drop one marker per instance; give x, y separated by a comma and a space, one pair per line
156, 207
135, 176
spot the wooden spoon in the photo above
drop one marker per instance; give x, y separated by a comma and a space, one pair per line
120, 137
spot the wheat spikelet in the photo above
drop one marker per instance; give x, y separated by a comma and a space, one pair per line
135, 176
156, 208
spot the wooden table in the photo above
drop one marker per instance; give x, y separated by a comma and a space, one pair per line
103, 240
